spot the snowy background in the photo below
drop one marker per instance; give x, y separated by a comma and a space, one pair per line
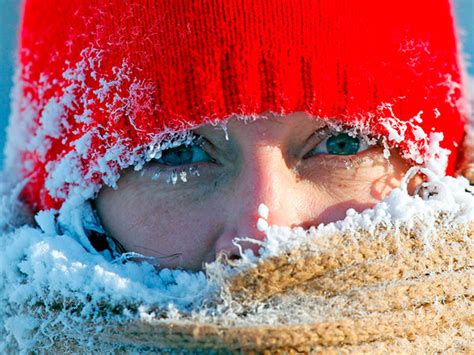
9, 11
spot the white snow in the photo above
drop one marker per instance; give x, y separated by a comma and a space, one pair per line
263, 211
69, 178
262, 225
48, 264
49, 261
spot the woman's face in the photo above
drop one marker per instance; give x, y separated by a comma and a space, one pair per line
187, 206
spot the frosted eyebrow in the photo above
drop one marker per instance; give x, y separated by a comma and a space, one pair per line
319, 133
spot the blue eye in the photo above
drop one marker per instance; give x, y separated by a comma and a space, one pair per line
339, 144
184, 154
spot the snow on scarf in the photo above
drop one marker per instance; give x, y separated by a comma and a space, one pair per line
397, 277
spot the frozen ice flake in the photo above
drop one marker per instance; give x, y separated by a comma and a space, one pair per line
41, 267
263, 211
262, 225
172, 177
194, 171
156, 175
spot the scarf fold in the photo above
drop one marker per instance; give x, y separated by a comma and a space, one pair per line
375, 282
389, 291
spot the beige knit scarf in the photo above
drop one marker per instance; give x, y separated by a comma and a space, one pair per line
385, 290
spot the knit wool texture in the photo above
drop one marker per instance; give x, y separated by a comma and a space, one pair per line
396, 278
356, 292
102, 83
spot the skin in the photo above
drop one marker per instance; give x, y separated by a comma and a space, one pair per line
187, 224
466, 167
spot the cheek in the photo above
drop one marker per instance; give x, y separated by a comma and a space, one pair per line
334, 189
374, 182
179, 231
180, 225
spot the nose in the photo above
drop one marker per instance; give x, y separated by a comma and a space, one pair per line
264, 178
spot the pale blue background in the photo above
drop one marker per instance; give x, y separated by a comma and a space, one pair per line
9, 10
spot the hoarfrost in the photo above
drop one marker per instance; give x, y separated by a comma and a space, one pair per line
47, 264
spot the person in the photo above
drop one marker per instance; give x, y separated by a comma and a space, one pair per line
169, 130
293, 164
91, 106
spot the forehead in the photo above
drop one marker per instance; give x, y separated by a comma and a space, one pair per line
294, 124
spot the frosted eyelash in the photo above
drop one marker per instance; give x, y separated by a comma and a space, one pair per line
175, 175
358, 131
348, 162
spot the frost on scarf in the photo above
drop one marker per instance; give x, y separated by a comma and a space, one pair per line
404, 266
399, 272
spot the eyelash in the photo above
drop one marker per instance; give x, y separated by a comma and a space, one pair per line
182, 171
346, 161
342, 144
175, 174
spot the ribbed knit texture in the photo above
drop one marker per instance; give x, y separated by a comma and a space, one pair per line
392, 290
172, 65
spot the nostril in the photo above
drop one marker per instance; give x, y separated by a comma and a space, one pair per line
228, 256
234, 257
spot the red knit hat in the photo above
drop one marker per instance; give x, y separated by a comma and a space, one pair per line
102, 83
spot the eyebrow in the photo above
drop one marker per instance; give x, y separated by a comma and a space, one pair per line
215, 133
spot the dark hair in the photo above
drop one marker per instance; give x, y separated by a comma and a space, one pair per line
99, 238
102, 242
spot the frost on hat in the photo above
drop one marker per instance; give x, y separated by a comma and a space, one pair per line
105, 84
